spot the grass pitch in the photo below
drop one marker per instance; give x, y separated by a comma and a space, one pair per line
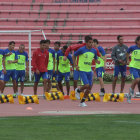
85, 127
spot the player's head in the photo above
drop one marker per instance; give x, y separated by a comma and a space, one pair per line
11, 45
120, 39
79, 42
21, 48
64, 48
57, 45
137, 41
89, 41
47, 43
95, 42
42, 44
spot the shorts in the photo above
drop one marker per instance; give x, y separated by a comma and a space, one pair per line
76, 75
135, 73
100, 72
20, 74
10, 73
120, 69
38, 76
50, 74
61, 75
1, 75
86, 77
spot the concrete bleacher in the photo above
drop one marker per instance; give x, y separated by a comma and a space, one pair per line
70, 22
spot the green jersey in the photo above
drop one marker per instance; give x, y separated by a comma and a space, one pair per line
1, 58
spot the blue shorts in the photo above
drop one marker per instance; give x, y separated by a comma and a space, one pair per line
61, 75
100, 72
1, 75
86, 77
20, 74
120, 69
38, 76
76, 75
10, 73
135, 73
50, 74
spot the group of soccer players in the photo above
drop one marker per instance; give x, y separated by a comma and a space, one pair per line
48, 63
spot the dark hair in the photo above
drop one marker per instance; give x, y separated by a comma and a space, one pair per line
57, 42
119, 36
79, 42
65, 47
95, 41
137, 39
41, 41
87, 38
12, 42
47, 41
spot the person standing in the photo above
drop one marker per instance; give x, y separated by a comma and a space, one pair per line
9, 66
135, 66
86, 55
21, 65
1, 72
40, 62
119, 57
100, 67
63, 69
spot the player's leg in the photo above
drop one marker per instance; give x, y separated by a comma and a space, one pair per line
100, 74
116, 72
60, 78
13, 76
22, 79
50, 73
75, 78
1, 80
136, 75
37, 78
67, 79
45, 81
123, 76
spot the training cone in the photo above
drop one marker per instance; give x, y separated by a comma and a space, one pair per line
93, 97
113, 97
28, 99
54, 96
6, 98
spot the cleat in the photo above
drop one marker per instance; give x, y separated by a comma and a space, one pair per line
82, 104
129, 99
77, 94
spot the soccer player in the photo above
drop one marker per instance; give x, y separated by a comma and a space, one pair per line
119, 57
57, 45
21, 65
135, 66
63, 68
51, 64
100, 67
1, 72
86, 55
9, 65
40, 62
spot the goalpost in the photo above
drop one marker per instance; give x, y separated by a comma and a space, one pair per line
29, 32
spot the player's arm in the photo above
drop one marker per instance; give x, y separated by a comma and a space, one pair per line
96, 58
3, 62
53, 62
129, 50
57, 63
113, 55
71, 61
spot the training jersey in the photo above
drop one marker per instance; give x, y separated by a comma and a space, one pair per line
135, 56
11, 57
51, 56
64, 66
22, 59
1, 58
102, 52
85, 58
56, 53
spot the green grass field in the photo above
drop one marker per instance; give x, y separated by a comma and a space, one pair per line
86, 127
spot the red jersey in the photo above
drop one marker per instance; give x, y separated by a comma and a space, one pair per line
76, 47
40, 60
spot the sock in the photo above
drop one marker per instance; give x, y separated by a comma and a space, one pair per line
83, 100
